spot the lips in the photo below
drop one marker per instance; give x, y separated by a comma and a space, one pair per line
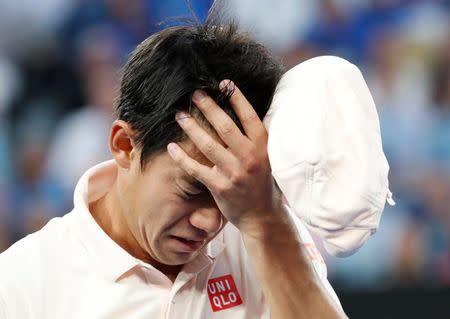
187, 245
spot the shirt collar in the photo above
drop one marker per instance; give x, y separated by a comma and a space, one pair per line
110, 259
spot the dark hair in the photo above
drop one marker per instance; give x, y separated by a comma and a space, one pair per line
166, 68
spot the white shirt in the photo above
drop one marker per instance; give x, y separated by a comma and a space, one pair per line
72, 269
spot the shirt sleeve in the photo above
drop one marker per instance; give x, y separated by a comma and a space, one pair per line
316, 258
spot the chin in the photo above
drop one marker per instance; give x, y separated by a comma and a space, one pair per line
179, 258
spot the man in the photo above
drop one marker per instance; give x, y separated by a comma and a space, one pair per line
186, 220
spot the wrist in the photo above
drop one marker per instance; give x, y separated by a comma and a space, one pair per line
272, 226
277, 238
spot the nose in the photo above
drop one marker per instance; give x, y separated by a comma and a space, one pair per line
207, 219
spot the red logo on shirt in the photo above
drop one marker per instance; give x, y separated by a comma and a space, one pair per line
222, 293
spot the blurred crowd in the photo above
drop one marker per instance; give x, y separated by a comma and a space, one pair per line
60, 63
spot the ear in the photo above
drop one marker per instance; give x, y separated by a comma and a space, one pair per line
121, 143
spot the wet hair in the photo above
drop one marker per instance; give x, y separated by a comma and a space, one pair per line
165, 69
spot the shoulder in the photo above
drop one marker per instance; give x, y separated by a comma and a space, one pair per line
25, 247
22, 263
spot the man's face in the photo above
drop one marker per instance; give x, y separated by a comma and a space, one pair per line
170, 215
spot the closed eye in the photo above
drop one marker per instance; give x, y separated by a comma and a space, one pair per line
189, 193
191, 188
195, 190
193, 193
198, 187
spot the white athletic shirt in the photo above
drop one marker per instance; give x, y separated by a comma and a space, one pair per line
72, 269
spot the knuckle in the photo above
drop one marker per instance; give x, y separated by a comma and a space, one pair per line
226, 129
251, 117
191, 170
263, 136
237, 179
208, 147
223, 190
251, 164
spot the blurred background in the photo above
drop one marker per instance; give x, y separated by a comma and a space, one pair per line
60, 65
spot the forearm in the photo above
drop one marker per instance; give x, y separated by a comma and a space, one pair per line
290, 284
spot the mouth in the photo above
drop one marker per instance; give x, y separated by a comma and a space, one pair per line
187, 245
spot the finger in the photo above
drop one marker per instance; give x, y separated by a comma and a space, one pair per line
204, 174
225, 127
209, 147
247, 115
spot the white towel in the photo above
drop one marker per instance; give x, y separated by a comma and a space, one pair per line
326, 154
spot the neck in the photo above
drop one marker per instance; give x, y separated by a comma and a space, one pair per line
108, 215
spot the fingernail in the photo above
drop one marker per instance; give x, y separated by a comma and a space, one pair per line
182, 117
172, 148
224, 84
198, 95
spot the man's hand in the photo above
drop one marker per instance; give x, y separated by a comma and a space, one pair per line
240, 179
241, 183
